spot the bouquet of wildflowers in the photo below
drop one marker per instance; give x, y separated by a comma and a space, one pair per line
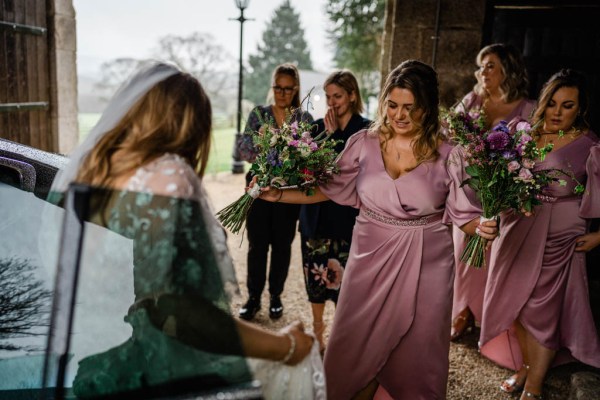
500, 164
287, 157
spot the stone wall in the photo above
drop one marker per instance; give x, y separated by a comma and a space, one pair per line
410, 31
63, 74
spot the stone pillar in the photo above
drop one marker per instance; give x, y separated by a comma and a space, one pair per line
62, 50
460, 38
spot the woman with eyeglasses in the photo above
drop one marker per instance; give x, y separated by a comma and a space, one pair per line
272, 224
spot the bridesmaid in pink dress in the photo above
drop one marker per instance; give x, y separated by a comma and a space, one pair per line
501, 92
536, 306
390, 332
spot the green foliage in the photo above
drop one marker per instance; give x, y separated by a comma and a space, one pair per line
356, 30
282, 41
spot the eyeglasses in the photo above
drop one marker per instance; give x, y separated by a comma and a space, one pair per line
284, 90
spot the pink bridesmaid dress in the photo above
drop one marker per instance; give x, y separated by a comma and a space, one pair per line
392, 317
469, 282
536, 275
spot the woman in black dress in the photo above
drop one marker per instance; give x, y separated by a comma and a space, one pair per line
326, 227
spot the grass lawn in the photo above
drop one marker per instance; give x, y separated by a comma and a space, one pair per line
220, 156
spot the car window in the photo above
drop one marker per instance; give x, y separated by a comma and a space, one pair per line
27, 274
150, 315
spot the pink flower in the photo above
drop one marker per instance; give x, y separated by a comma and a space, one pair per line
513, 166
527, 163
525, 175
523, 126
335, 274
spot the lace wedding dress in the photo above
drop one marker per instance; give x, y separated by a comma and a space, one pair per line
182, 265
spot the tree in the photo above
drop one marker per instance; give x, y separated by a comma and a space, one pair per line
113, 73
196, 53
282, 41
356, 30
201, 56
24, 303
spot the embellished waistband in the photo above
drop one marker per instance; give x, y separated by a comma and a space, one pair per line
551, 199
421, 221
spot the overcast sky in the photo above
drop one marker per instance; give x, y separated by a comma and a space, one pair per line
108, 29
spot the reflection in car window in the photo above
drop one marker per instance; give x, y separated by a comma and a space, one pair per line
148, 284
27, 269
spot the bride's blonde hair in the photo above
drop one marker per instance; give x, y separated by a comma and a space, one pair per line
174, 116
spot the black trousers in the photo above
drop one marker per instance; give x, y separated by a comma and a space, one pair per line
270, 225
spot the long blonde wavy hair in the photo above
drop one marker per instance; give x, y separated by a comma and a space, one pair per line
175, 116
422, 82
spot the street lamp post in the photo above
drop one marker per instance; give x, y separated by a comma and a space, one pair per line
237, 167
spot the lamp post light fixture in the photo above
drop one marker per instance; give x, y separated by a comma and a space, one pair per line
237, 166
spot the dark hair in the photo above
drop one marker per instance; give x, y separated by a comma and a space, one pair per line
516, 82
422, 81
291, 71
564, 78
345, 79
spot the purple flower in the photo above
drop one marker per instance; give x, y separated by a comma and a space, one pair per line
498, 140
508, 154
513, 166
273, 158
501, 127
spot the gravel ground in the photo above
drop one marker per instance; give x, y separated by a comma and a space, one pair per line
471, 376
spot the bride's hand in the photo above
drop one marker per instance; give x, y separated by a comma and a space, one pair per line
304, 342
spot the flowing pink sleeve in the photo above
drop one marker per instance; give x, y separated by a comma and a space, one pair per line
342, 188
462, 204
590, 203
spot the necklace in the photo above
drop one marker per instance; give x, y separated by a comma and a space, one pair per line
572, 133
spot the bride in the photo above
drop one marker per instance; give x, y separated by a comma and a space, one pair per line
143, 163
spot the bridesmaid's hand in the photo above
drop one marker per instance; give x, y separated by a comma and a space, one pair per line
267, 193
587, 242
487, 230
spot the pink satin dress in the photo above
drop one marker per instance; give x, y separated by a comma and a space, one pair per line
535, 273
469, 282
392, 318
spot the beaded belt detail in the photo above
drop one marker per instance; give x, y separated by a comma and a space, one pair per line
551, 199
421, 221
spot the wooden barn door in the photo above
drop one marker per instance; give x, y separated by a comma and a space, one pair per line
24, 73
552, 35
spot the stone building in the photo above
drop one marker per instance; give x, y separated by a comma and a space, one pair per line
449, 33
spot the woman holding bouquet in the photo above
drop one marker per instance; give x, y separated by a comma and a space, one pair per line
537, 287
272, 225
501, 94
390, 332
327, 227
